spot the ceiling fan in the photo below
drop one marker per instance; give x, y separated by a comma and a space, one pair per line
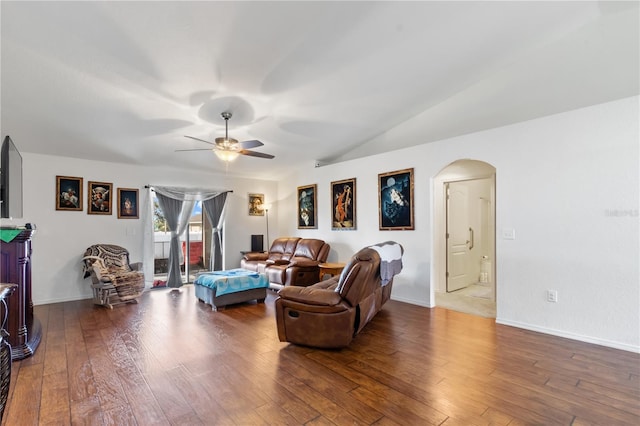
226, 148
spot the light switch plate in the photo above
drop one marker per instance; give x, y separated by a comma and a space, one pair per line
508, 234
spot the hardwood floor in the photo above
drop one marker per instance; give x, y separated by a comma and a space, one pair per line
170, 360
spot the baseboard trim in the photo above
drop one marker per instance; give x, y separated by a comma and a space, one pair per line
412, 302
568, 335
62, 300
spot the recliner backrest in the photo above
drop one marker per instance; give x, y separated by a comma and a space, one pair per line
283, 248
360, 276
312, 249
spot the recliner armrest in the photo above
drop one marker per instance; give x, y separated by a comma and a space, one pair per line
304, 263
277, 262
311, 295
256, 256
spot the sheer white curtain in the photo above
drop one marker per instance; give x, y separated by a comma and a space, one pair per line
148, 252
177, 204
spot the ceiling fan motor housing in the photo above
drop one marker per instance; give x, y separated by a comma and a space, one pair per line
227, 143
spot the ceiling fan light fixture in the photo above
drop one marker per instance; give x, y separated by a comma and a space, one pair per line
227, 156
227, 143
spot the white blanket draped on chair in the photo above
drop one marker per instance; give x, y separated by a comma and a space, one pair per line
390, 260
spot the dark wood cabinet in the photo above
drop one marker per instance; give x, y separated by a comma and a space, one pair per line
15, 268
5, 348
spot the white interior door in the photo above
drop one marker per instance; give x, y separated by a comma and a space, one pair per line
459, 236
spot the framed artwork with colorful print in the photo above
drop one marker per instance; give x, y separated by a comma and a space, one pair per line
343, 204
395, 200
256, 204
128, 203
307, 202
68, 193
99, 199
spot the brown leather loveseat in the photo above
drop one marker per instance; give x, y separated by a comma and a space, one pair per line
331, 313
291, 261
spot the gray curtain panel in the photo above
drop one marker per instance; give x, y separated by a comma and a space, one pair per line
177, 213
214, 208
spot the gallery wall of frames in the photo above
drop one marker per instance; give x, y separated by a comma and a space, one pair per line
99, 199
395, 203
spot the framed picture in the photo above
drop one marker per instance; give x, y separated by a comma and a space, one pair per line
128, 203
343, 204
99, 199
68, 193
395, 200
307, 201
256, 204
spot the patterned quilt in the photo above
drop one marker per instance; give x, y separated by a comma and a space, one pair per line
112, 262
231, 281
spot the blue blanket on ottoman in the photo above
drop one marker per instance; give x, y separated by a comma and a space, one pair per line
231, 281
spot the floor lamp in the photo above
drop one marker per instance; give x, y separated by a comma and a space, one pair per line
266, 213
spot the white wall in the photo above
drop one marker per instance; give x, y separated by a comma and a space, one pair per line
568, 185
63, 236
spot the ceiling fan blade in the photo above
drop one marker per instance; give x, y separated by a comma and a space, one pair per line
194, 149
199, 140
250, 144
256, 154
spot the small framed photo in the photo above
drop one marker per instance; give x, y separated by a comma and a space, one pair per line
68, 193
395, 200
256, 204
343, 204
128, 203
99, 199
307, 201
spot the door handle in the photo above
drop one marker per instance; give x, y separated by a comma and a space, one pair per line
471, 238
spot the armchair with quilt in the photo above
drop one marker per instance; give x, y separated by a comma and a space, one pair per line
113, 279
291, 261
331, 313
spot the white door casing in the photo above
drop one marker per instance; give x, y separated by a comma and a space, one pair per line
482, 199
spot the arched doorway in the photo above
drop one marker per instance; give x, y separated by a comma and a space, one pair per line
465, 238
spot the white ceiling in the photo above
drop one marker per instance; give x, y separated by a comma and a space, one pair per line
125, 81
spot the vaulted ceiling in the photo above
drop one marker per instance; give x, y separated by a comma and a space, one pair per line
126, 81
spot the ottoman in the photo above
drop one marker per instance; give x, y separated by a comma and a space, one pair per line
222, 288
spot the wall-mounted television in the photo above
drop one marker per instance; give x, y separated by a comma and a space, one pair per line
10, 180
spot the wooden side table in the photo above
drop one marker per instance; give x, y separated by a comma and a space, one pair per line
332, 268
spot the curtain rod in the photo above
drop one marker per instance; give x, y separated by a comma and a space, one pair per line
149, 186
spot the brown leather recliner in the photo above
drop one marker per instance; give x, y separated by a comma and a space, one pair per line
331, 313
291, 261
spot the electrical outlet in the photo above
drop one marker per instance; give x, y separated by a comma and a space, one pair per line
552, 296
